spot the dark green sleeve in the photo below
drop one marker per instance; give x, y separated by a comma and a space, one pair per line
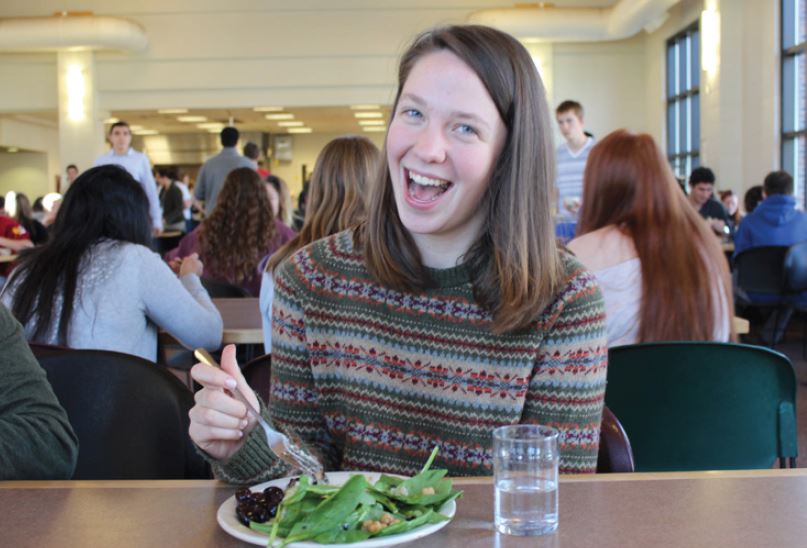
36, 439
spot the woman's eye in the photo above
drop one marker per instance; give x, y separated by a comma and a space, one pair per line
411, 113
465, 129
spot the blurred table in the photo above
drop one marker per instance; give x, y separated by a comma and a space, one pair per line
8, 258
675, 510
741, 325
242, 320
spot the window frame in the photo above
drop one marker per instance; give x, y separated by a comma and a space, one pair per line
692, 92
786, 137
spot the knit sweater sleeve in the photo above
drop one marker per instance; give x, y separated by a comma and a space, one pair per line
567, 387
36, 439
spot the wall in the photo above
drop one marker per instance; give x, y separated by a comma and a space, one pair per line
740, 102
35, 136
24, 172
306, 149
607, 79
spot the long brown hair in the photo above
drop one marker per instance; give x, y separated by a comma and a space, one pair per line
515, 265
236, 236
628, 184
336, 194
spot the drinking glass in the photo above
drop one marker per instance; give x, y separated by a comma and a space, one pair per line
525, 469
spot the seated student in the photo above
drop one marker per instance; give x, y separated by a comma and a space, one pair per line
774, 222
97, 284
13, 239
732, 205
239, 234
450, 311
701, 196
753, 197
25, 216
36, 439
335, 203
662, 273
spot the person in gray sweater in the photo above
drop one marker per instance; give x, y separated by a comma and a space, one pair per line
36, 439
96, 284
215, 170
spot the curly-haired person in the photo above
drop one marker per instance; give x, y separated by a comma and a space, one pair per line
238, 235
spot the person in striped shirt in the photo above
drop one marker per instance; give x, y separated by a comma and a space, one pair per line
571, 158
449, 312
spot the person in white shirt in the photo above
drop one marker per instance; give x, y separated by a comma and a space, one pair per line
571, 158
137, 164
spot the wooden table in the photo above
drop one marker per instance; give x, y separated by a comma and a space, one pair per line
708, 509
242, 320
741, 325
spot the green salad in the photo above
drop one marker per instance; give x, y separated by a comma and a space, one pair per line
359, 510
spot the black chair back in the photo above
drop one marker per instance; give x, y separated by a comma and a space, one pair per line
258, 374
223, 290
761, 270
796, 268
130, 416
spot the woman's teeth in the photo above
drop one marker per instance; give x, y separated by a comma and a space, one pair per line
426, 189
428, 181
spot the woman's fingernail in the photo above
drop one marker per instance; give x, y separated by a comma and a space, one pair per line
240, 434
244, 423
230, 383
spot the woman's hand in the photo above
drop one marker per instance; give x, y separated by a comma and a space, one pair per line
219, 422
191, 265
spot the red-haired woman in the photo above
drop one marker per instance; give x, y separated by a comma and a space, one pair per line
662, 272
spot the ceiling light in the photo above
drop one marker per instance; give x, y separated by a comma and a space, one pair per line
172, 111
210, 125
135, 127
214, 131
372, 122
296, 123
299, 130
368, 114
267, 109
374, 129
111, 120
365, 107
192, 118
284, 116
146, 132
13, 149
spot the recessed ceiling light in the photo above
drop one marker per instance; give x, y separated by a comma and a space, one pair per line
368, 114
13, 149
295, 123
214, 131
299, 130
267, 109
372, 122
135, 127
172, 111
284, 116
192, 118
365, 107
374, 129
111, 120
146, 132
210, 125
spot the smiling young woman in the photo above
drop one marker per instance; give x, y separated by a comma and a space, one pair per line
450, 311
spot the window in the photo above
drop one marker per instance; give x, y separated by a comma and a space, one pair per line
794, 121
683, 101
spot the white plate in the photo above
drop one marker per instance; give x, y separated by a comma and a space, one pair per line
228, 521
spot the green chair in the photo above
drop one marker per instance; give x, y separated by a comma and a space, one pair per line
703, 405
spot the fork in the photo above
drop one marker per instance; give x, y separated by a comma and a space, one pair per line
288, 452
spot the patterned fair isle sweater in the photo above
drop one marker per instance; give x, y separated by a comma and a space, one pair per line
372, 379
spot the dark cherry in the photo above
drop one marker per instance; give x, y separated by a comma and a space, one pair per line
242, 517
243, 495
274, 495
